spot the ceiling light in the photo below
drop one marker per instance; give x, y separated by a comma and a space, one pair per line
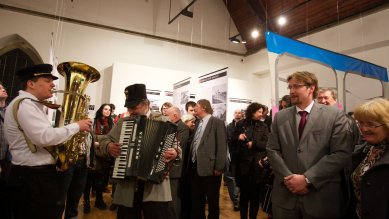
281, 20
255, 33
237, 39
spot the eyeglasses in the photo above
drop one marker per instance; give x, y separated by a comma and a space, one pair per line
296, 86
368, 125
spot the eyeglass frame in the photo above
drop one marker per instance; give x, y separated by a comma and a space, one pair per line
370, 126
296, 86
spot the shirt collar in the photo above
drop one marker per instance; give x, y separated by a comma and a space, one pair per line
206, 118
307, 109
23, 94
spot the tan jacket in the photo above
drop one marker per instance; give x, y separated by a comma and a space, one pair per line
124, 194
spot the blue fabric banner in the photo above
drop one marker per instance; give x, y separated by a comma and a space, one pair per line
279, 45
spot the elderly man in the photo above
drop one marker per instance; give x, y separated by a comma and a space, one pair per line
327, 96
135, 197
175, 174
308, 148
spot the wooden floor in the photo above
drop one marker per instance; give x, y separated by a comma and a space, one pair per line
226, 208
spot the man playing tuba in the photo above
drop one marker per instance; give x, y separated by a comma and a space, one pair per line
34, 179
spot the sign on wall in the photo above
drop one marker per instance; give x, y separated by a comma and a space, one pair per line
214, 87
181, 94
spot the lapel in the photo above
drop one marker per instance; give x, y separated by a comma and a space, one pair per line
207, 130
292, 123
312, 117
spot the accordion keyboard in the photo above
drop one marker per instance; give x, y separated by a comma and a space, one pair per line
119, 169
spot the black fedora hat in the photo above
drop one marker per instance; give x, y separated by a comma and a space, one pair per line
135, 94
41, 70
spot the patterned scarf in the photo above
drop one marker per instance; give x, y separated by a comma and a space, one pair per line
373, 153
102, 126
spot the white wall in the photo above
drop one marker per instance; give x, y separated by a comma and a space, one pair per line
365, 38
102, 48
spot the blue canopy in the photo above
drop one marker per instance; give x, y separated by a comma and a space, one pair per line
279, 45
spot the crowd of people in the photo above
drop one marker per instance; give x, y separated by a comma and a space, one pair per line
315, 160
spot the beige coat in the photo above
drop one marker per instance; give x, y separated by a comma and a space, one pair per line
124, 193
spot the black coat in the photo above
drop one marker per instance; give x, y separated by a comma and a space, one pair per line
247, 159
374, 185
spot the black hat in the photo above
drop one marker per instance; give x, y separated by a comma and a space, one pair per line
41, 70
135, 93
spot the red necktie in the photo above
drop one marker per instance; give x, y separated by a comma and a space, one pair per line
303, 121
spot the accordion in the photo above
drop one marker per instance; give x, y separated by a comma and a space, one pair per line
144, 142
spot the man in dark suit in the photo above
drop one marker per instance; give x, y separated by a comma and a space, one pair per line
207, 162
175, 174
308, 148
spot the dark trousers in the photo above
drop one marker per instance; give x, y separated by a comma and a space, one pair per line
97, 180
89, 184
186, 199
250, 194
201, 187
297, 213
35, 192
5, 194
136, 211
72, 187
175, 187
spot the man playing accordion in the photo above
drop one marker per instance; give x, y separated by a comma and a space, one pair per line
135, 197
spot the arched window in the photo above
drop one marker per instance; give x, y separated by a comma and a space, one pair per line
11, 62
15, 53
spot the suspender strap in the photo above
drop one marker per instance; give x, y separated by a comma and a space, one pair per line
15, 110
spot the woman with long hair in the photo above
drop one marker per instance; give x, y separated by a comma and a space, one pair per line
251, 135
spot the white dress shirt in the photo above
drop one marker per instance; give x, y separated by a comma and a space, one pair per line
307, 109
33, 120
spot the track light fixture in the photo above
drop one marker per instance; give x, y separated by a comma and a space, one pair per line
237, 39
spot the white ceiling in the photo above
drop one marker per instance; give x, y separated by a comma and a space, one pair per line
210, 26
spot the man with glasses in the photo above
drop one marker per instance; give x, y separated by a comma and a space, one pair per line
308, 148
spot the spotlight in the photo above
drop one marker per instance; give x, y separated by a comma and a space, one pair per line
237, 39
281, 20
255, 33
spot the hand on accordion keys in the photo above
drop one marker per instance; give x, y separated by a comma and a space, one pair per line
170, 154
114, 149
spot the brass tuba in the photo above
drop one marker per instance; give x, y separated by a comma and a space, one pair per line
74, 108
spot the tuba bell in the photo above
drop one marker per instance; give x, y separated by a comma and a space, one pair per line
75, 106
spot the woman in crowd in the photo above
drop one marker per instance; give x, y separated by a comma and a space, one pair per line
164, 107
189, 121
99, 177
370, 176
251, 135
